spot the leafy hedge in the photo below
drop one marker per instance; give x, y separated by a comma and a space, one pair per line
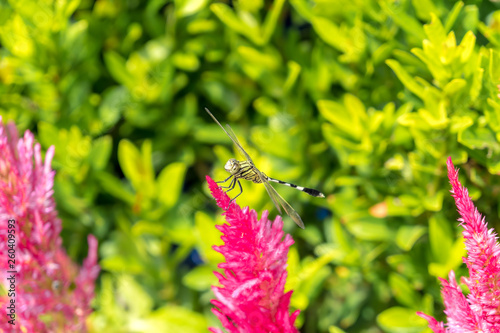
363, 100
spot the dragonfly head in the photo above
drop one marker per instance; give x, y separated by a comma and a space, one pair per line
232, 166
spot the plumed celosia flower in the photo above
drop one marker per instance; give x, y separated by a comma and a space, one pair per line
480, 311
51, 293
252, 297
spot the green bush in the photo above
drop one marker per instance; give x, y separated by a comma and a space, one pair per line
363, 100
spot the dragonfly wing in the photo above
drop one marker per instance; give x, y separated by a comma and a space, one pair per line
277, 198
289, 210
237, 143
231, 135
292, 213
272, 193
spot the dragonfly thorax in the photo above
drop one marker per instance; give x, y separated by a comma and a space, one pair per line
244, 170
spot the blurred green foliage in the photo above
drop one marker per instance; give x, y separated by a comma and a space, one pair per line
362, 99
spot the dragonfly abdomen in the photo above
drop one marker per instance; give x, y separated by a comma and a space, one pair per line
310, 191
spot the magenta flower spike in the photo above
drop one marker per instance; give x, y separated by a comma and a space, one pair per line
480, 310
251, 297
50, 293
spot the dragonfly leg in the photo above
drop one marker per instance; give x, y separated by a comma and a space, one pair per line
225, 180
241, 190
231, 186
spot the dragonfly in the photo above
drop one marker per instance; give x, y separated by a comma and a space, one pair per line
248, 171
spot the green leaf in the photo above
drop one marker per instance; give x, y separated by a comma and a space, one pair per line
266, 106
186, 61
401, 320
173, 318
48, 134
200, 278
75, 38
493, 164
335, 329
228, 17
434, 201
252, 6
303, 8
453, 15
355, 107
138, 301
185, 8
272, 18
118, 70
478, 138
494, 66
467, 46
206, 237
371, 229
382, 53
329, 32
114, 102
471, 20
101, 151
311, 271
341, 238
477, 80
452, 262
441, 238
407, 80
436, 115
454, 87
403, 291
147, 169
202, 26
346, 119
129, 158
6, 12
169, 183
408, 23
435, 31
434, 62
458, 124
115, 187
408, 235
122, 264
144, 227
136, 166
413, 120
458, 251
267, 61
404, 205
293, 73
424, 8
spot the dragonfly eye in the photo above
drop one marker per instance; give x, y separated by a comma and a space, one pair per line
232, 166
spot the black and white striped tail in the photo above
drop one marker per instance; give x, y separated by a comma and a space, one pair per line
310, 191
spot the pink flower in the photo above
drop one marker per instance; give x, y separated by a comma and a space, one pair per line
480, 311
252, 297
51, 293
